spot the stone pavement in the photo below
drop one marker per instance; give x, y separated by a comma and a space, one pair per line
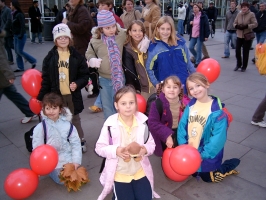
241, 92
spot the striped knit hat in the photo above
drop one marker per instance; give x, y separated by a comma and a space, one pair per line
105, 18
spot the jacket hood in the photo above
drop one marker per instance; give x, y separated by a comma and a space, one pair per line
112, 120
93, 30
67, 116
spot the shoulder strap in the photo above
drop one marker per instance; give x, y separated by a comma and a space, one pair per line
93, 50
159, 106
135, 14
44, 131
146, 133
70, 131
110, 135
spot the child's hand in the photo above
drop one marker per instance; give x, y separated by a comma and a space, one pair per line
73, 86
95, 62
169, 141
76, 165
122, 153
144, 44
143, 151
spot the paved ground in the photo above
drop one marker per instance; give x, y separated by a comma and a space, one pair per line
241, 92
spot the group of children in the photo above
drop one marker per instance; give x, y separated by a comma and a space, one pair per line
121, 58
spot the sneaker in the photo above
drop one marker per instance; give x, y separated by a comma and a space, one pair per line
95, 109
33, 66
217, 177
260, 124
41, 42
18, 70
26, 120
83, 146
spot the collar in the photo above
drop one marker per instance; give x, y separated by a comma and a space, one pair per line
128, 128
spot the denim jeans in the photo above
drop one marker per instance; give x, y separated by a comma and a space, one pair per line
261, 37
19, 46
227, 38
196, 53
107, 96
180, 26
55, 176
260, 111
12, 94
39, 34
8, 46
98, 101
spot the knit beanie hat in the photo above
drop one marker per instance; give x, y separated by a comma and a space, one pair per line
61, 30
105, 18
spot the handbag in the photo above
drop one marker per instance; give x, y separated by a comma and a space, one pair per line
249, 36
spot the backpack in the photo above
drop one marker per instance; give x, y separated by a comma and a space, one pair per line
260, 58
158, 103
28, 136
146, 137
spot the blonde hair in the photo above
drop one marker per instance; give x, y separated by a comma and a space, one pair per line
129, 39
198, 78
177, 82
172, 41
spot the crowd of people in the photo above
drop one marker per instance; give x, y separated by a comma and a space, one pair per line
138, 52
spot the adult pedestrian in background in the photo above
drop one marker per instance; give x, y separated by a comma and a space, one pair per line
138, 6
93, 12
261, 28
35, 20
6, 25
244, 23
253, 7
60, 17
212, 13
181, 18
151, 13
80, 23
7, 87
130, 14
20, 37
229, 29
199, 32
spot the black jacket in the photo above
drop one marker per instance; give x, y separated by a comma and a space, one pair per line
35, 23
78, 73
261, 18
18, 24
204, 27
212, 13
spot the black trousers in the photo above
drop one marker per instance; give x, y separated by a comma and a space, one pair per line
243, 46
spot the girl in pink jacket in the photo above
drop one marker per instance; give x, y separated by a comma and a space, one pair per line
129, 174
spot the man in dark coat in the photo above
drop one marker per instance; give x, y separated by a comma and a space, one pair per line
36, 25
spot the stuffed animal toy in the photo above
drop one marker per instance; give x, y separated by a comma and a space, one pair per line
89, 87
133, 149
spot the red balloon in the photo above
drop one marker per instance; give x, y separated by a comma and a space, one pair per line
141, 103
209, 68
43, 159
169, 172
35, 106
31, 82
185, 160
21, 183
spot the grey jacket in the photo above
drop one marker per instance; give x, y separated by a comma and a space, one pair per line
6, 72
229, 20
6, 21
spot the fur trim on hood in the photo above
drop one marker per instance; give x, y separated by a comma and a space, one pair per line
67, 116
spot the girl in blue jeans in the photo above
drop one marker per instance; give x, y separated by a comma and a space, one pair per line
20, 37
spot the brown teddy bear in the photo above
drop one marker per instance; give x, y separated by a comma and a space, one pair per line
133, 149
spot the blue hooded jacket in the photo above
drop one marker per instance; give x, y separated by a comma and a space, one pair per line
213, 138
164, 60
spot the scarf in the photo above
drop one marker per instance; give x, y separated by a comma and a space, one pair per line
115, 62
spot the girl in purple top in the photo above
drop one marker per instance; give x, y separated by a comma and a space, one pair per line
163, 126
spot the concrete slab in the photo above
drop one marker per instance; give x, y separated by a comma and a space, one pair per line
256, 140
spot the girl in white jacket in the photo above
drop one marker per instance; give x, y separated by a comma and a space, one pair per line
57, 120
130, 176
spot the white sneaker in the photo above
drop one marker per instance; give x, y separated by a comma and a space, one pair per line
260, 124
83, 146
26, 120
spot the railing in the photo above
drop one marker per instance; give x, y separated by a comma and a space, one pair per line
43, 19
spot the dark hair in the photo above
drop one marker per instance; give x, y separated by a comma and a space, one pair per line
244, 4
3, 1
107, 2
53, 100
137, 3
254, 2
16, 5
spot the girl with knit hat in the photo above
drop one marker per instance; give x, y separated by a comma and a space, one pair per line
65, 72
105, 52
